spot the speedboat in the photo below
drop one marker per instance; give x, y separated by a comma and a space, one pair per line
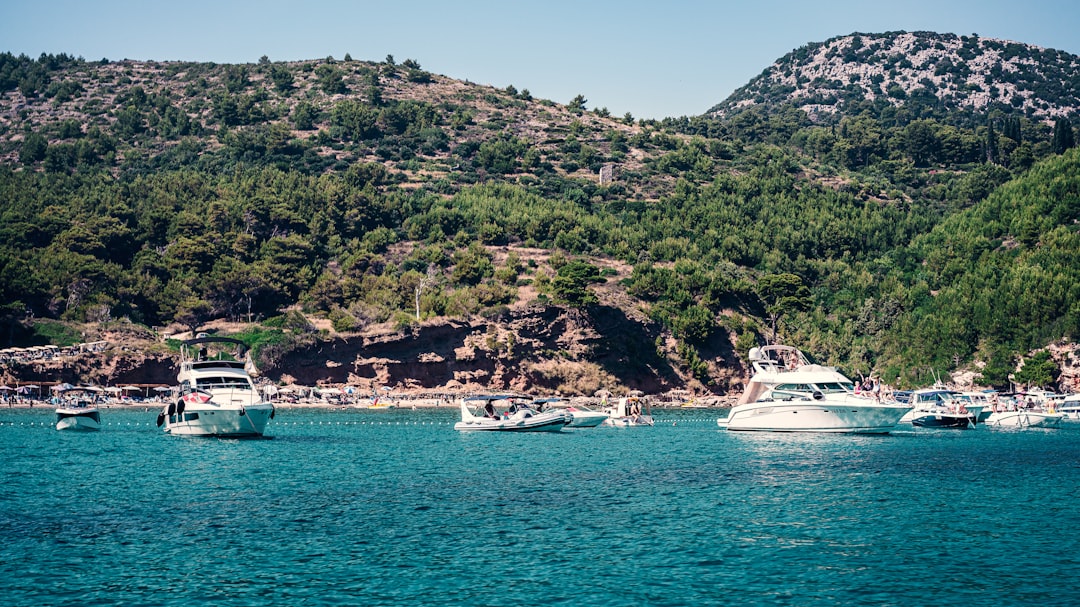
580, 415
629, 411
507, 414
78, 409
217, 396
788, 393
1021, 417
939, 408
978, 404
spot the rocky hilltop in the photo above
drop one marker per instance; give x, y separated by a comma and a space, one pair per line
956, 72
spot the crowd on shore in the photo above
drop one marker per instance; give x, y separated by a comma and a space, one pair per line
30, 396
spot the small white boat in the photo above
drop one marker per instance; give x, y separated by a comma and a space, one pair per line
629, 411
217, 396
580, 415
78, 409
1025, 418
787, 393
501, 413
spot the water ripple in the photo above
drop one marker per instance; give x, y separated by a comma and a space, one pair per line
396, 508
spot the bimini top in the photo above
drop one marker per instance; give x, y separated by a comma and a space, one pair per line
197, 358
241, 346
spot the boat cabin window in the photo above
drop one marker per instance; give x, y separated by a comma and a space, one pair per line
207, 383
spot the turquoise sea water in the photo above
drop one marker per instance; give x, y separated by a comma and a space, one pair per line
397, 508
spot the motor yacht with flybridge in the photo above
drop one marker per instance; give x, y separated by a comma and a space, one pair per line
217, 395
788, 393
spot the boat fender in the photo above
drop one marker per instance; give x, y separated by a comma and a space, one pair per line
160, 418
172, 409
243, 411
180, 405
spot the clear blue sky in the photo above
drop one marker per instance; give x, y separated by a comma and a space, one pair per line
652, 59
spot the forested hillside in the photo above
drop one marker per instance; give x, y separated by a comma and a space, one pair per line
908, 237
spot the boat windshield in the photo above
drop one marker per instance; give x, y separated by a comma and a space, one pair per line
832, 387
209, 383
932, 397
796, 387
779, 394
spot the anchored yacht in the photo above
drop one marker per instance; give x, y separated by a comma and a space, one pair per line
217, 396
788, 393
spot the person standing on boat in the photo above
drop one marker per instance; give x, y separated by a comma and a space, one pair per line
489, 411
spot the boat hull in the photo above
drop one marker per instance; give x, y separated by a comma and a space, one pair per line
83, 420
532, 424
1025, 419
805, 416
626, 422
1071, 412
238, 422
583, 419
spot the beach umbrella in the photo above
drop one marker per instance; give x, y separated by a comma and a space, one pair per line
112, 389
5, 387
59, 387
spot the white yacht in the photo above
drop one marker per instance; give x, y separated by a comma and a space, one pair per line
507, 414
788, 393
217, 396
78, 409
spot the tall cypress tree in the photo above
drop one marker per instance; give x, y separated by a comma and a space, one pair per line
991, 142
1063, 136
1011, 128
